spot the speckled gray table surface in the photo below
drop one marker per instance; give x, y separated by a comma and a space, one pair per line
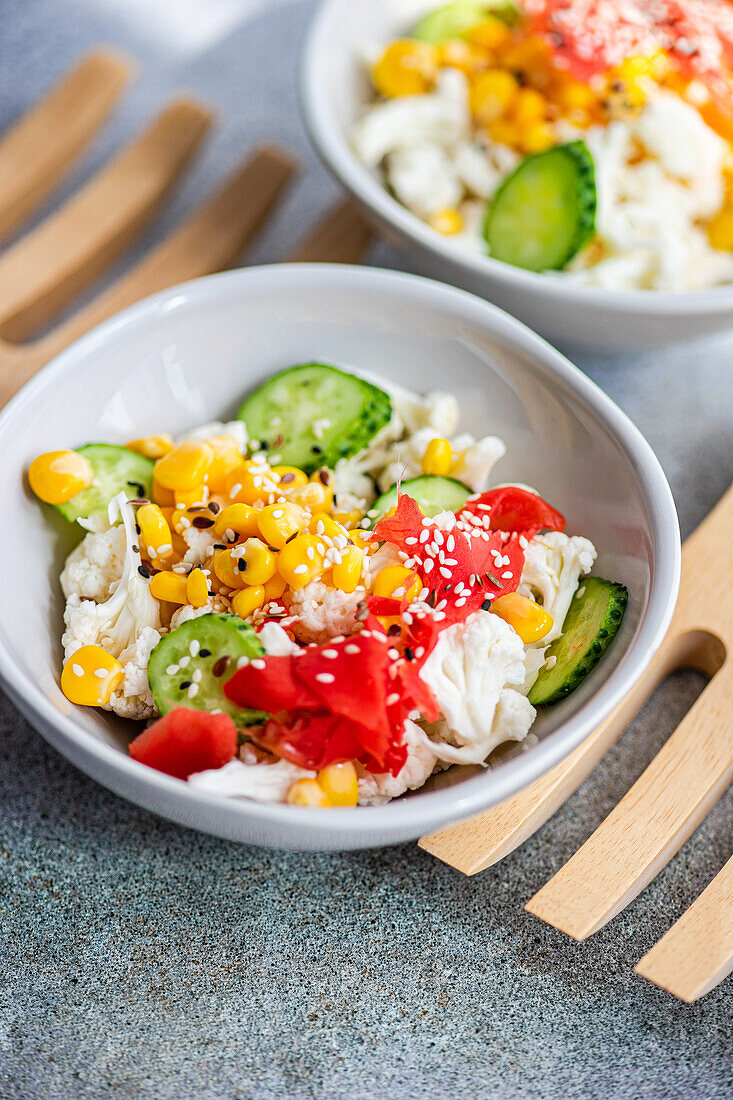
142, 960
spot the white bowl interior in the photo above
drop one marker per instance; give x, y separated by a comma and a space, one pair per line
190, 355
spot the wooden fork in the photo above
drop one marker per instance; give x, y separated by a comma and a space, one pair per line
44, 270
664, 806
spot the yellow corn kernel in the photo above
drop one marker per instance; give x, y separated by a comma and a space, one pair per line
346, 574
239, 519
574, 96
529, 57
529, 107
289, 478
185, 467
250, 483
358, 539
169, 587
249, 600
154, 531
277, 522
90, 676
227, 456
197, 588
225, 569
186, 498
407, 67
348, 519
152, 446
307, 792
397, 581
504, 133
255, 562
162, 497
315, 496
339, 783
456, 53
538, 137
720, 230
448, 221
274, 588
58, 476
530, 621
492, 94
438, 458
329, 526
492, 34
300, 561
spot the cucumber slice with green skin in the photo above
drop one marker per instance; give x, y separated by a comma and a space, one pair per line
345, 411
433, 494
589, 628
545, 212
115, 469
453, 20
211, 644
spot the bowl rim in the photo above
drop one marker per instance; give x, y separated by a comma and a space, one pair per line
429, 810
333, 148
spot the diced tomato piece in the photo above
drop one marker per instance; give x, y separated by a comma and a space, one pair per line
514, 510
273, 687
185, 741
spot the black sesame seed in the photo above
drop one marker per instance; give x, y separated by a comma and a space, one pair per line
486, 605
143, 571
137, 485
184, 685
135, 549
220, 546
409, 654
316, 449
204, 653
241, 565
213, 507
137, 528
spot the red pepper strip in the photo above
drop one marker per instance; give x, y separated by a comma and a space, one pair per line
514, 510
185, 741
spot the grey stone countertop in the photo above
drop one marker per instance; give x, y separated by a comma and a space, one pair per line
143, 960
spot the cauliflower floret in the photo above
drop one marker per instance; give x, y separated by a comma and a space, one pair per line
92, 570
476, 459
475, 672
215, 605
375, 790
133, 699
276, 641
553, 565
323, 612
436, 410
235, 428
261, 782
424, 178
116, 624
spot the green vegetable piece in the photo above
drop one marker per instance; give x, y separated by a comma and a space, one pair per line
116, 469
545, 212
453, 20
313, 415
212, 645
434, 494
589, 628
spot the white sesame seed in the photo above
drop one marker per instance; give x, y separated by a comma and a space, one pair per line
101, 672
450, 561
580, 592
310, 553
423, 594
193, 691
275, 421
185, 522
242, 661
523, 542
550, 662
196, 675
438, 538
507, 575
411, 541
258, 663
231, 534
351, 648
165, 548
274, 459
393, 698
428, 566
365, 524
365, 634
194, 647
325, 677
445, 572
461, 602
420, 652
378, 634
484, 507
300, 569
427, 522
172, 670
234, 490
330, 654
393, 654
278, 513
424, 536
320, 548
439, 616
399, 592
450, 544
184, 661
407, 618
320, 527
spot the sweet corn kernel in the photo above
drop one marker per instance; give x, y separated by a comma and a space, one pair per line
185, 498
307, 792
58, 476
456, 53
90, 676
162, 497
358, 539
528, 107
398, 582
197, 589
407, 67
530, 58
538, 137
315, 496
277, 522
346, 574
348, 519
530, 621
227, 456
239, 518
250, 483
300, 560
448, 221
225, 569
289, 478
720, 230
492, 93
574, 96
274, 588
169, 587
151, 446
185, 467
339, 783
185, 516
504, 133
249, 600
154, 531
255, 562
329, 526
438, 458
492, 34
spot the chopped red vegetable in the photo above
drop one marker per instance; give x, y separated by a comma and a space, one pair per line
514, 510
185, 741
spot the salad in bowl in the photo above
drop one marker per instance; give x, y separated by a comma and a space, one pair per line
324, 601
586, 139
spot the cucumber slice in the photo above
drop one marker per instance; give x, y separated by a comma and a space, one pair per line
453, 20
313, 415
589, 628
545, 212
433, 494
115, 469
211, 644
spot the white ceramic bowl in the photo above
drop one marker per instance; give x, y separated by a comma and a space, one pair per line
188, 355
334, 92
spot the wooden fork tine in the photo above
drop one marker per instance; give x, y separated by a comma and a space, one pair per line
37, 151
696, 954
208, 241
49, 266
343, 236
